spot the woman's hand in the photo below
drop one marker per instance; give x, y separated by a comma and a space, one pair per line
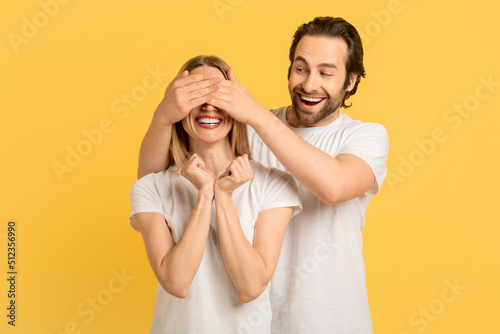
238, 172
196, 173
185, 93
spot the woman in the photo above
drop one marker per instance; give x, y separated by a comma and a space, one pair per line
212, 223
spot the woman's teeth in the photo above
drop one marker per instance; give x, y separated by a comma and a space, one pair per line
209, 121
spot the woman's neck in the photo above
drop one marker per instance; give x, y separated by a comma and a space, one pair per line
217, 156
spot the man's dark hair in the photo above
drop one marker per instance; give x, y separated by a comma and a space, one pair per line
335, 27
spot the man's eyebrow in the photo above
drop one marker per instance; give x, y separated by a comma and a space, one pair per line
302, 59
331, 65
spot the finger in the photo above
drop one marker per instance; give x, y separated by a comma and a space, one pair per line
195, 80
231, 76
248, 167
182, 75
212, 83
198, 102
202, 92
189, 83
226, 87
245, 171
195, 160
237, 170
198, 162
226, 173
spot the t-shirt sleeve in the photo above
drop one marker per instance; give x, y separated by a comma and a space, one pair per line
145, 197
280, 191
370, 142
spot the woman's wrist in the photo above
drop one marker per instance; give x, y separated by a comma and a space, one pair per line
206, 193
223, 195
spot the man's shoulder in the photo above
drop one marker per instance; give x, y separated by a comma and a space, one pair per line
278, 111
350, 125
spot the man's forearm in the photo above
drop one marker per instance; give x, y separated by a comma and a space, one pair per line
154, 152
331, 180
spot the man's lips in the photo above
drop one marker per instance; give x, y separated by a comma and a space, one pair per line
309, 100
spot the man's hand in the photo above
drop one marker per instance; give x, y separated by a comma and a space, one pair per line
185, 93
235, 99
196, 173
238, 172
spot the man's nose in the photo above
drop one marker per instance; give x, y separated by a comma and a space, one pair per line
311, 84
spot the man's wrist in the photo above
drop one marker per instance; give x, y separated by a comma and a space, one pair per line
159, 116
259, 118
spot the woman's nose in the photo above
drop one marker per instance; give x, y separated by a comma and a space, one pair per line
208, 107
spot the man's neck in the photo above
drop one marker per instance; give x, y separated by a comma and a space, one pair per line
291, 118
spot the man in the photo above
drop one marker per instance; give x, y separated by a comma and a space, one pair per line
339, 163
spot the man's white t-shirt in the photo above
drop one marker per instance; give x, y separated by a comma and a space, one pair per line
319, 285
212, 304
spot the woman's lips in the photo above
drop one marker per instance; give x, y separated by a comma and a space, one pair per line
208, 122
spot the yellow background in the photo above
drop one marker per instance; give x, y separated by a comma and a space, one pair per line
435, 225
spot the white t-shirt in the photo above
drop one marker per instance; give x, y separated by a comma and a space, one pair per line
212, 305
319, 285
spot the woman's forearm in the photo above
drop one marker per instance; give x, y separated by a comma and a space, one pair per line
245, 265
179, 266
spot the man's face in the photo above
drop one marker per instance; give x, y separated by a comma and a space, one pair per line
316, 81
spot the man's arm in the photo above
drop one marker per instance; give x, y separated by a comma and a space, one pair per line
154, 153
182, 95
333, 180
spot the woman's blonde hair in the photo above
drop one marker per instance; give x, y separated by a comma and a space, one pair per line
179, 144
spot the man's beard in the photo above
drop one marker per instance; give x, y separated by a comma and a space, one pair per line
311, 118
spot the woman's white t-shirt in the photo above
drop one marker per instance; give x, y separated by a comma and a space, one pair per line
212, 304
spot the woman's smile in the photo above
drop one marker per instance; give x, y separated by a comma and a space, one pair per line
208, 121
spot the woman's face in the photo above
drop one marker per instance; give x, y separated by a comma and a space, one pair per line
206, 123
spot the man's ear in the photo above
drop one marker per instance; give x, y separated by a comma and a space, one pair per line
352, 81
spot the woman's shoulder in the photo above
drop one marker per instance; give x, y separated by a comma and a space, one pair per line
159, 179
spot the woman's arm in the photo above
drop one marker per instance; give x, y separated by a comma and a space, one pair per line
250, 267
175, 265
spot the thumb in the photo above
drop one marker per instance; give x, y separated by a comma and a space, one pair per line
226, 173
182, 75
231, 76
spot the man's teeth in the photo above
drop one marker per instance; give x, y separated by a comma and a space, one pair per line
310, 99
209, 121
